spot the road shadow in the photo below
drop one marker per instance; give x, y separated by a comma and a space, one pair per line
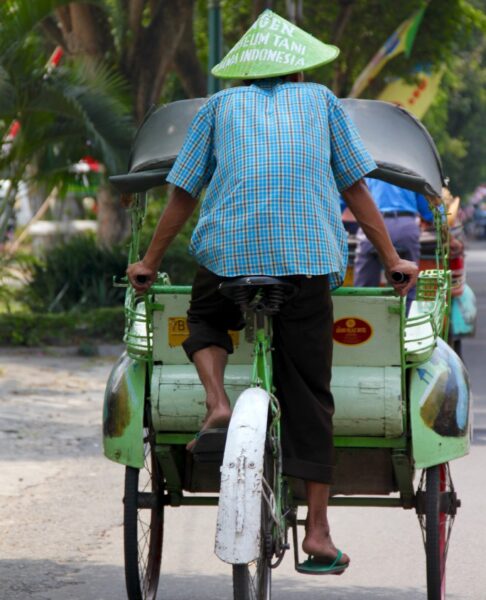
24, 579
71, 580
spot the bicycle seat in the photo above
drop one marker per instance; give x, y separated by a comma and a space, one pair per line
258, 292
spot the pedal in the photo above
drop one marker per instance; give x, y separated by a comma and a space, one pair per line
210, 445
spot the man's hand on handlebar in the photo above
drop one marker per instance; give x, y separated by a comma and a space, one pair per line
140, 276
403, 276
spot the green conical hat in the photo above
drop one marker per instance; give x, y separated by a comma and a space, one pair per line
271, 47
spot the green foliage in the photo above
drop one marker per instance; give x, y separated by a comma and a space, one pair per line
19, 18
77, 274
13, 273
456, 120
64, 329
65, 113
78, 109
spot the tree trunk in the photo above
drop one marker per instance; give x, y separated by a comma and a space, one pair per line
341, 21
156, 36
113, 221
85, 30
339, 81
258, 6
187, 64
155, 53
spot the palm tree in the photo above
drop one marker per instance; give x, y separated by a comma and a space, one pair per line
65, 113
117, 57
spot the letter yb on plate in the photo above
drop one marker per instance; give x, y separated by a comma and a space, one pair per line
178, 331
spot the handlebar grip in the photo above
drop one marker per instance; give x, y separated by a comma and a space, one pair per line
398, 277
141, 279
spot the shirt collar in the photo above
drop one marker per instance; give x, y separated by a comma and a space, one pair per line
268, 83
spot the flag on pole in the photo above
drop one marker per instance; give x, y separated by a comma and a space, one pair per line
416, 97
401, 40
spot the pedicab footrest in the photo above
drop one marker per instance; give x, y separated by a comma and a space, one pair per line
210, 445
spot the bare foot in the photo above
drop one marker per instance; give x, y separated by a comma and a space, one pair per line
318, 543
218, 416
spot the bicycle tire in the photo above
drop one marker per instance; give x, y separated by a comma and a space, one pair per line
253, 581
142, 539
435, 533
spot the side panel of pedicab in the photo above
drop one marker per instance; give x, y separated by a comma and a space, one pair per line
439, 408
366, 379
438, 387
123, 410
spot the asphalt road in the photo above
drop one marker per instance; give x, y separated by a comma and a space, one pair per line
60, 500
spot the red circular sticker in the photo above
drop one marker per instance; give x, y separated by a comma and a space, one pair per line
351, 331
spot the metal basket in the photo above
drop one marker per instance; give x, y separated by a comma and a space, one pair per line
427, 320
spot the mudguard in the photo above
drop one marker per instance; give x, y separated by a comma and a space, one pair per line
439, 408
464, 313
240, 499
123, 412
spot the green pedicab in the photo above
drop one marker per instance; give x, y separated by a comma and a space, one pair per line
401, 393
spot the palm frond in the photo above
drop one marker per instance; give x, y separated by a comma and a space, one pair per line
8, 96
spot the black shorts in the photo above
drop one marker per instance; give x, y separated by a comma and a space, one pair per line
302, 359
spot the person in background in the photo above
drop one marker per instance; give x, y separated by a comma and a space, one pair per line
402, 210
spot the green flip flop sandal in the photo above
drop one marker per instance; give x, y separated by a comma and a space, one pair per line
315, 565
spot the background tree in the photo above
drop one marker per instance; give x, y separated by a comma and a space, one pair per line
452, 34
144, 40
157, 49
136, 41
63, 113
456, 121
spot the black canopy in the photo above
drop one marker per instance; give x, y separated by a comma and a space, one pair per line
157, 144
400, 144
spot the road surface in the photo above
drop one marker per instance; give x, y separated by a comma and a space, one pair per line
61, 510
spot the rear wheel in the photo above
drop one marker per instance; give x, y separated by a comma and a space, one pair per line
253, 581
143, 526
437, 508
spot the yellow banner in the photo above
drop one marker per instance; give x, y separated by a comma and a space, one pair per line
416, 98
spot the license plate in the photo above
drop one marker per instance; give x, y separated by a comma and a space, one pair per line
178, 331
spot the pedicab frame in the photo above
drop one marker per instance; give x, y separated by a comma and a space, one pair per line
154, 402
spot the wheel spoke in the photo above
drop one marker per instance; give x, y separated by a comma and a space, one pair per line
143, 525
436, 519
253, 581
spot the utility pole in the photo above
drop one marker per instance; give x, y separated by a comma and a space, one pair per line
215, 41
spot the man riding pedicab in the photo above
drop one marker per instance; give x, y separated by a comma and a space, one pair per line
273, 155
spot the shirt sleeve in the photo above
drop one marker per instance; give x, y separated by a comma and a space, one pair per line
195, 162
350, 160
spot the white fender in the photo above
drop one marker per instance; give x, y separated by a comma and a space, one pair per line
239, 508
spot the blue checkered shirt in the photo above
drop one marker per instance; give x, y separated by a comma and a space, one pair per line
274, 157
